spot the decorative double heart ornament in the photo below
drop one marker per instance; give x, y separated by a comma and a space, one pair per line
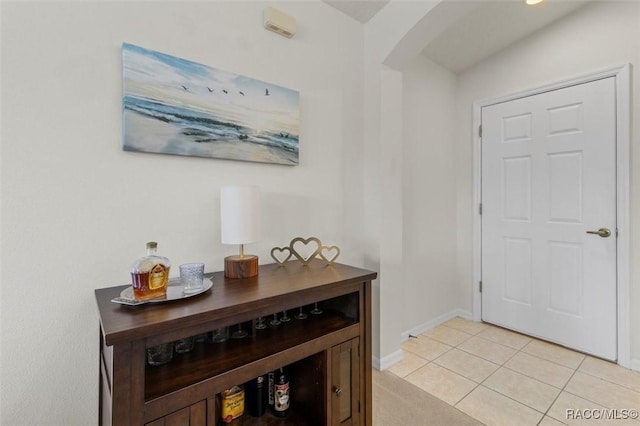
305, 250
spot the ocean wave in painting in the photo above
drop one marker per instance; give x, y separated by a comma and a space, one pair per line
201, 128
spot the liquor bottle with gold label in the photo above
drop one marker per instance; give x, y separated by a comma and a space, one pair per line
150, 274
231, 406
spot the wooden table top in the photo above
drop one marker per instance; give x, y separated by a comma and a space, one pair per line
226, 297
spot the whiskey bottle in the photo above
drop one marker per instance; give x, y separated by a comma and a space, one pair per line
255, 394
282, 397
232, 406
150, 274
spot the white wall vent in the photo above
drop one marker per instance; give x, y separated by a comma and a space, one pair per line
279, 22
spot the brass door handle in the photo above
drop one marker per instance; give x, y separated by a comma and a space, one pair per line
338, 391
602, 232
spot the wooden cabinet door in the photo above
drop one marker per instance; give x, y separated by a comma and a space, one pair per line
345, 383
194, 415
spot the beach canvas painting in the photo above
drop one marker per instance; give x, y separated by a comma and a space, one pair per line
175, 106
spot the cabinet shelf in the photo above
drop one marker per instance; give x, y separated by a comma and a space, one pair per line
208, 360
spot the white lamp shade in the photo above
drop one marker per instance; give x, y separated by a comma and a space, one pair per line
239, 214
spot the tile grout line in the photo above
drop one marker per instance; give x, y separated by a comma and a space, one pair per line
575, 370
496, 343
625, 387
429, 361
457, 329
544, 414
563, 390
476, 384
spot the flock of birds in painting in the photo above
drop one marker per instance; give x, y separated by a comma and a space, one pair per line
186, 89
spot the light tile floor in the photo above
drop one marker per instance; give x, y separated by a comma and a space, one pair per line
501, 377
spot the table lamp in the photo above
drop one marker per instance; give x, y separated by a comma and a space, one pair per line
240, 223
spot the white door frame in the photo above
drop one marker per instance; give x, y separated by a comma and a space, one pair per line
622, 76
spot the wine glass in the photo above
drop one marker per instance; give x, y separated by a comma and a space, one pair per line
315, 310
285, 317
239, 333
275, 320
260, 324
300, 315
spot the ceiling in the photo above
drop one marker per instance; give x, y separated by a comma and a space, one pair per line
360, 10
488, 28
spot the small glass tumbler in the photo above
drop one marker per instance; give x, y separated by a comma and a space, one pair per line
183, 346
200, 338
161, 354
220, 335
191, 275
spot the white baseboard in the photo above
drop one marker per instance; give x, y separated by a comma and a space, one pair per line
635, 364
397, 356
387, 361
435, 322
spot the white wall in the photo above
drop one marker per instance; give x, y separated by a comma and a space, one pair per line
383, 165
429, 235
76, 209
600, 35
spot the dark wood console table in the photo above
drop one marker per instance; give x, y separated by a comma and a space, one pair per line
329, 355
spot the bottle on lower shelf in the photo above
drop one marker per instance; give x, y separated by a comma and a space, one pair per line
256, 396
232, 406
282, 395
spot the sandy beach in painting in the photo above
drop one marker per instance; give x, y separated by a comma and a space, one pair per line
148, 134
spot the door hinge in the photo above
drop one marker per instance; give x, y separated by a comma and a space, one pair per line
616, 232
480, 130
480, 209
480, 286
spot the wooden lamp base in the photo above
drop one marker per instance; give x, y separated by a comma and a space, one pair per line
241, 267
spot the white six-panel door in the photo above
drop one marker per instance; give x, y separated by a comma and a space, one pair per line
548, 177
